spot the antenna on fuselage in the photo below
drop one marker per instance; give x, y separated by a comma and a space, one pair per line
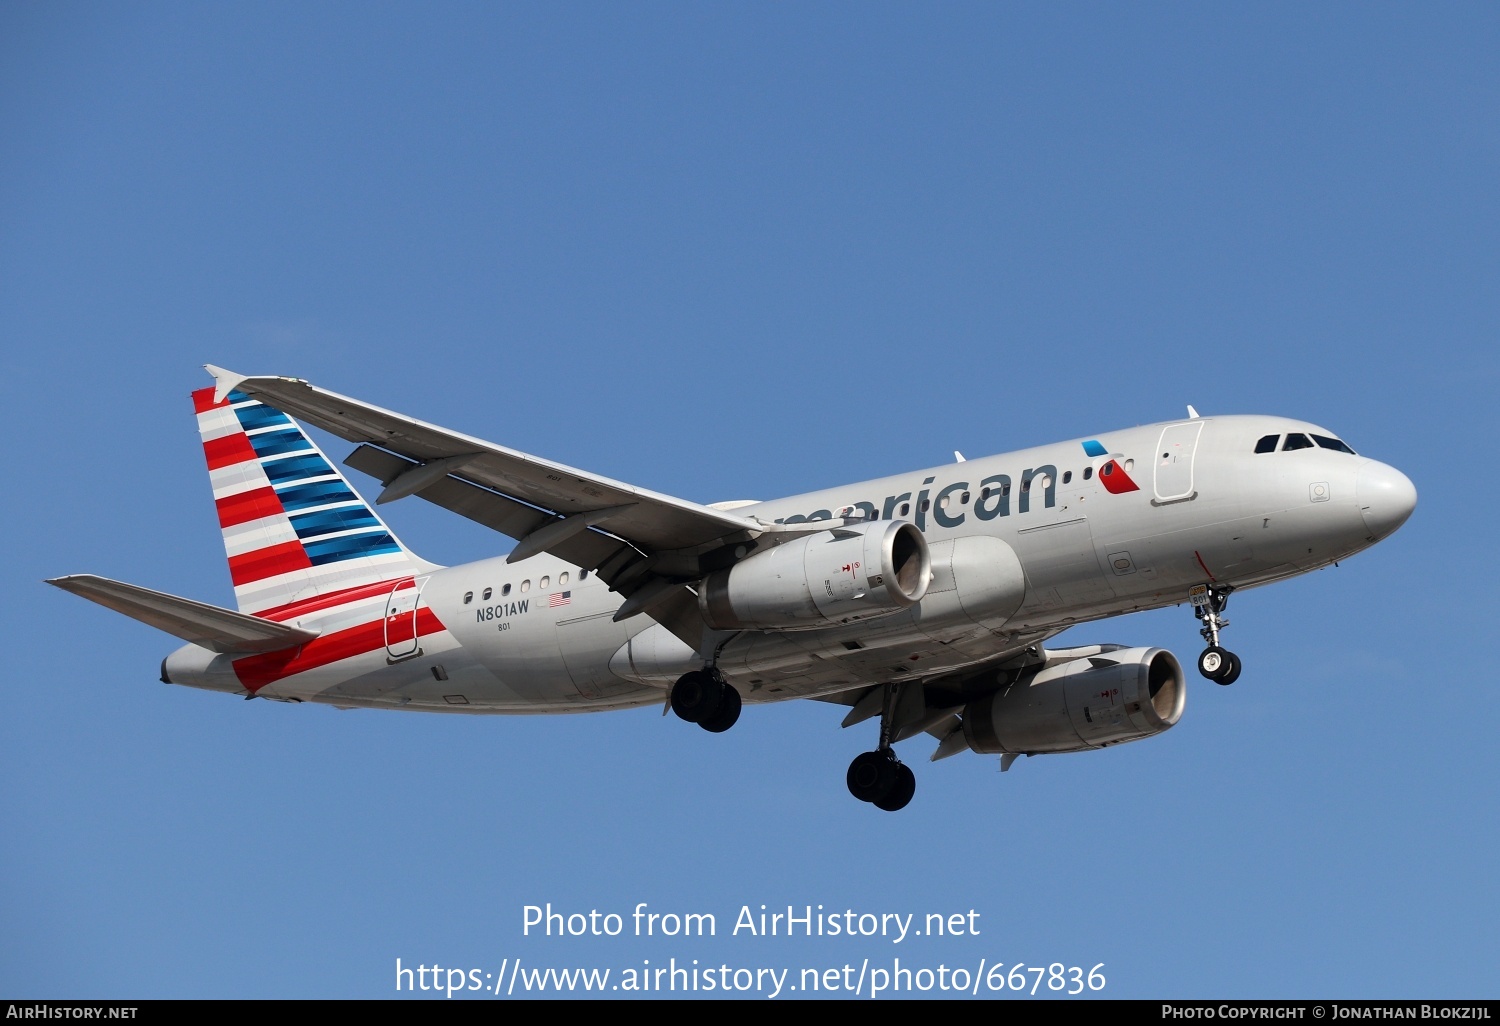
1192, 413
958, 457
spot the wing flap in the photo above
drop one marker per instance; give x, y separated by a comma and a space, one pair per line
212, 627
619, 564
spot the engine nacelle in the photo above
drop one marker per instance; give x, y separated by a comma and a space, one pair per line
832, 577
1121, 695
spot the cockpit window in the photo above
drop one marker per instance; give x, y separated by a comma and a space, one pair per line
1296, 440
1267, 444
1334, 444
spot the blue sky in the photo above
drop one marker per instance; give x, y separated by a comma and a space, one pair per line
740, 251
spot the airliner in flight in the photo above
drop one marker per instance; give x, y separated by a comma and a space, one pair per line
922, 601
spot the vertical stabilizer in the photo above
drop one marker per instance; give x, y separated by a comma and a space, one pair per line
294, 530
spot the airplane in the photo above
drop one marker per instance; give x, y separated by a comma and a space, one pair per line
924, 600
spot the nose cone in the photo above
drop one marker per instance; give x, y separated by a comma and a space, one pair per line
1386, 497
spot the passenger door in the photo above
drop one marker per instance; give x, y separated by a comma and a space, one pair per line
1173, 480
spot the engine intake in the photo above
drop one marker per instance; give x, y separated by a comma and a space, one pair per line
1116, 696
832, 577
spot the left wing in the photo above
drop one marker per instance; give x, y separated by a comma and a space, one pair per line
643, 544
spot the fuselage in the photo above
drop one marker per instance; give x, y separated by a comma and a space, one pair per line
1114, 523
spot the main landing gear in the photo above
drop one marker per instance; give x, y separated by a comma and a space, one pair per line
879, 777
704, 697
1217, 664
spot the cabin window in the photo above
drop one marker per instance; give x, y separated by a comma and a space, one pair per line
1334, 444
468, 597
1067, 476
525, 587
583, 575
487, 593
963, 500
504, 590
1130, 464
562, 579
1267, 444
905, 508
926, 505
984, 493
1296, 440
1088, 472
544, 582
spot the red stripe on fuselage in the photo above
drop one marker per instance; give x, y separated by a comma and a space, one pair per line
268, 562
1204, 565
256, 671
334, 598
244, 507
228, 450
203, 400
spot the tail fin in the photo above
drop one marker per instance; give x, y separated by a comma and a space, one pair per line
293, 528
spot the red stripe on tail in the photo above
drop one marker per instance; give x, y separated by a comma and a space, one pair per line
203, 401
244, 507
268, 562
228, 450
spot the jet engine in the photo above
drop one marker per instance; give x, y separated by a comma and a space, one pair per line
1120, 695
831, 577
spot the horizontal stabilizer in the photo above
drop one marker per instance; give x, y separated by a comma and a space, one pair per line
212, 627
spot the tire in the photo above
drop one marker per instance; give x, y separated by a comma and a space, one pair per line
1232, 671
696, 696
871, 776
1214, 663
905, 786
727, 713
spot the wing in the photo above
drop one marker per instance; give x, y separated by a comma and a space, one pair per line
643, 544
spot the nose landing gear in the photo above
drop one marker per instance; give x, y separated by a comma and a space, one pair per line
879, 777
1217, 664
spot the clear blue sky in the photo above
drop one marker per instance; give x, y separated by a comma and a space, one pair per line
739, 251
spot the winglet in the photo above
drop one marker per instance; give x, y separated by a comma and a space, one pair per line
225, 381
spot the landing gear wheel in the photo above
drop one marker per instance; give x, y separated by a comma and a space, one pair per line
728, 712
879, 777
901, 792
873, 775
1211, 664
1219, 665
697, 696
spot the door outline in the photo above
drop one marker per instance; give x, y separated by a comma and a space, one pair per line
1178, 443
403, 648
